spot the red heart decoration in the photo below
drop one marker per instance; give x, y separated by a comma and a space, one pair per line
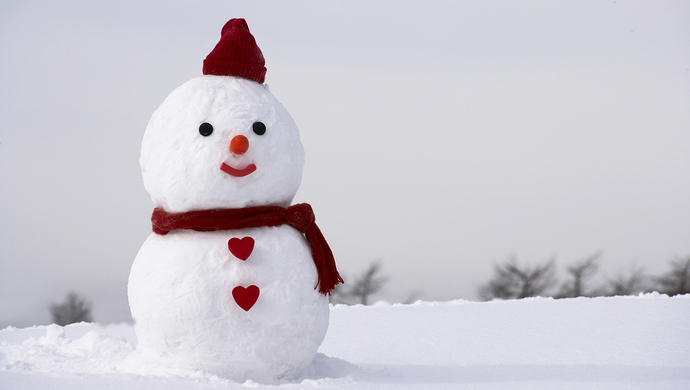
245, 297
241, 248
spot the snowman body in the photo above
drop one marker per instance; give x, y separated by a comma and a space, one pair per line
181, 299
182, 285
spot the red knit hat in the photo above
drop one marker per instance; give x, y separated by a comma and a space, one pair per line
236, 54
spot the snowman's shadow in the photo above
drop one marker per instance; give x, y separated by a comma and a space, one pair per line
325, 367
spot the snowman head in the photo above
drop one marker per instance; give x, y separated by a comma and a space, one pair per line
222, 140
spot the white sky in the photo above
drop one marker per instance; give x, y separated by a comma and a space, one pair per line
441, 137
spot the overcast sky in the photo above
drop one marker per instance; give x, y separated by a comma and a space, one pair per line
441, 137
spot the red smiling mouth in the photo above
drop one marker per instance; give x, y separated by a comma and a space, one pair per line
237, 172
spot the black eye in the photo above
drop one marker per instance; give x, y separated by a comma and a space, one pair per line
259, 128
205, 129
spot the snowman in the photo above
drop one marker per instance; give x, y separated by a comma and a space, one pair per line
233, 280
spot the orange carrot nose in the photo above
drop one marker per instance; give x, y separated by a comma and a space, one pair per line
239, 144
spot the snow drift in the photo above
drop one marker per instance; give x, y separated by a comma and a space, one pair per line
583, 343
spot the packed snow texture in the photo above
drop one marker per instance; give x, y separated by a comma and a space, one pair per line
181, 168
180, 296
582, 343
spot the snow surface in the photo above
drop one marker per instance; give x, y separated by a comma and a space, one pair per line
583, 343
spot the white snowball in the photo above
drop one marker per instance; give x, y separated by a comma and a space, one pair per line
181, 168
180, 297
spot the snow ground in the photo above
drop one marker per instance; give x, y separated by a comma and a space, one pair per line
584, 343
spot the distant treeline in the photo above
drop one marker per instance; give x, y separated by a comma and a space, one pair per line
512, 280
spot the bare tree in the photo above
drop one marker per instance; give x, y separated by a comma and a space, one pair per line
74, 309
580, 272
339, 294
627, 283
412, 298
512, 281
677, 280
368, 283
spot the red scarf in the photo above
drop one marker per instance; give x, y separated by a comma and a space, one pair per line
299, 216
